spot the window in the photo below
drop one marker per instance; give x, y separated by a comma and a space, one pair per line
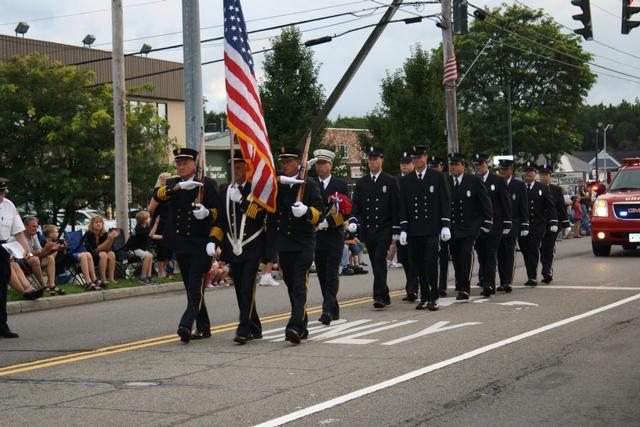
162, 110
343, 151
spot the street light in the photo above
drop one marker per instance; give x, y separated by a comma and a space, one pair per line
88, 40
22, 28
145, 49
507, 91
606, 128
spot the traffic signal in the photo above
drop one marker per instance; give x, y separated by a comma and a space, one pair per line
627, 11
460, 17
585, 18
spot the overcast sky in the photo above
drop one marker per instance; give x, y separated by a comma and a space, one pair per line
153, 22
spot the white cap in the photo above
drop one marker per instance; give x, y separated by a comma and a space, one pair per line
325, 155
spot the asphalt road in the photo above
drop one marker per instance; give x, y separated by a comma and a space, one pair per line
564, 354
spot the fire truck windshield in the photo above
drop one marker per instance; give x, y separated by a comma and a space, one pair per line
626, 180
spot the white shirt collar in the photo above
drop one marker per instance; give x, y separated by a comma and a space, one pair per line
458, 178
376, 175
326, 181
509, 180
485, 176
189, 179
422, 172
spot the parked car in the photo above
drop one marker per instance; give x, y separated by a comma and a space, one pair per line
82, 218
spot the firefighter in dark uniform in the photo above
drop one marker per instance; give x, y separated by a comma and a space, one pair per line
375, 210
443, 256
239, 231
542, 217
411, 284
519, 226
548, 246
471, 214
487, 243
292, 231
424, 218
330, 236
188, 233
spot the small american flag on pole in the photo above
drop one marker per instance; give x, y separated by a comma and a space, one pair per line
450, 71
245, 117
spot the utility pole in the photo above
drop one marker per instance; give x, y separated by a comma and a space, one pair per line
194, 108
510, 120
119, 119
597, 137
450, 89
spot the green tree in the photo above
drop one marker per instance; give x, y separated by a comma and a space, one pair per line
290, 93
349, 122
625, 134
546, 93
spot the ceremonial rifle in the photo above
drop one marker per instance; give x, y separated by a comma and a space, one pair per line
304, 171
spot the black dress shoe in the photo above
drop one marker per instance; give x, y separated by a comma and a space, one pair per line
293, 336
462, 296
184, 333
410, 298
500, 288
335, 316
422, 305
256, 335
242, 339
8, 333
531, 282
325, 319
378, 303
547, 279
493, 290
508, 289
200, 335
433, 306
486, 291
443, 293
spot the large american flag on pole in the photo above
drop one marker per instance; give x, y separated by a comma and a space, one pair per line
450, 71
245, 117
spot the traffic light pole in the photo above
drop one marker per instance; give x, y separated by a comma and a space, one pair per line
450, 100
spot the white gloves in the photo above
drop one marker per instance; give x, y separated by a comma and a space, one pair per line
445, 234
189, 184
211, 248
353, 227
403, 238
290, 180
485, 230
312, 162
234, 194
506, 231
200, 212
524, 233
323, 225
553, 228
395, 237
299, 209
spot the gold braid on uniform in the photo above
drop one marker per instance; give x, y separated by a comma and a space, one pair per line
334, 219
313, 215
253, 210
214, 214
216, 233
163, 193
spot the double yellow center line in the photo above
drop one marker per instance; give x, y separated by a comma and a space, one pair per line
135, 345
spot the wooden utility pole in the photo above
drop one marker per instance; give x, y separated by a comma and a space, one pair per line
119, 119
451, 105
194, 107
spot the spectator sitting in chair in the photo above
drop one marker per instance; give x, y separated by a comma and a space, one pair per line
72, 255
20, 283
98, 242
139, 244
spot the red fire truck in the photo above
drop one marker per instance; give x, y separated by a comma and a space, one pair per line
615, 216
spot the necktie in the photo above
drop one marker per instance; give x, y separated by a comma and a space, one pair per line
373, 179
420, 176
322, 185
457, 185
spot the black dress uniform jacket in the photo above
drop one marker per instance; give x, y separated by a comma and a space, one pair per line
470, 207
424, 204
375, 207
331, 238
500, 202
561, 209
542, 208
519, 204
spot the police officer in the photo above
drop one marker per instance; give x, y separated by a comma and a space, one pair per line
548, 246
542, 217
292, 231
188, 233
11, 225
424, 218
239, 232
488, 243
471, 214
519, 225
411, 283
437, 163
375, 210
330, 237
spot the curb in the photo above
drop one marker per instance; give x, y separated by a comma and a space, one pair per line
15, 307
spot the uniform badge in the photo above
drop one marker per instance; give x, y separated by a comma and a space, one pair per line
384, 188
468, 193
493, 187
513, 196
431, 189
540, 192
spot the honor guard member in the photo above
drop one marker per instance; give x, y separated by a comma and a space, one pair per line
11, 225
471, 214
424, 218
239, 232
292, 231
519, 225
188, 234
411, 284
330, 236
542, 217
375, 211
548, 246
443, 256
487, 243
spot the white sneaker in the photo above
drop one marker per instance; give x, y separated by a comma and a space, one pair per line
268, 280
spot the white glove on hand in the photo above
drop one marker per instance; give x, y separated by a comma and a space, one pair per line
506, 231
311, 162
395, 237
211, 248
323, 225
524, 233
200, 212
353, 227
290, 180
189, 184
485, 230
553, 228
234, 194
299, 209
445, 234
403, 238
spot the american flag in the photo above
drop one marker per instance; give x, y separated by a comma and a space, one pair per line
245, 117
450, 71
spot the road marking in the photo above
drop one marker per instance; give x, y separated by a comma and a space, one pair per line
136, 345
431, 368
354, 339
436, 327
589, 288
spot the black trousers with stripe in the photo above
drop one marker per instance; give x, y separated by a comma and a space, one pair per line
295, 271
443, 262
5, 275
424, 256
244, 274
462, 254
327, 266
378, 251
548, 252
530, 248
194, 268
507, 254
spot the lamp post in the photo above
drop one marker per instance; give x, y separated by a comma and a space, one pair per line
506, 90
606, 128
597, 135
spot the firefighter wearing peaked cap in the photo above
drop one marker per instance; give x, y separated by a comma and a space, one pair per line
411, 283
